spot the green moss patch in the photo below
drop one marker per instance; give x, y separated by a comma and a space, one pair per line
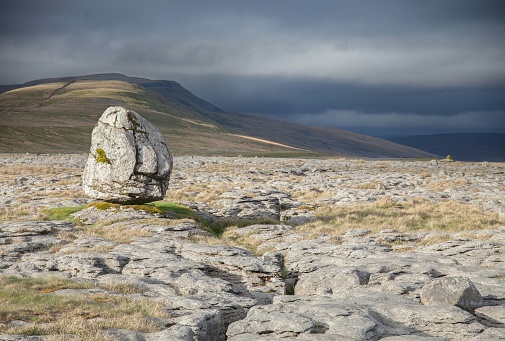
174, 210
180, 211
102, 157
220, 226
102, 205
63, 213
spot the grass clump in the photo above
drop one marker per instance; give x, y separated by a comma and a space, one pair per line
413, 215
62, 213
121, 232
102, 205
218, 227
229, 237
32, 300
180, 211
15, 213
160, 207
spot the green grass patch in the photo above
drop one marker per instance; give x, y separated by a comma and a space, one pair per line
63, 213
32, 300
180, 211
161, 207
149, 208
220, 226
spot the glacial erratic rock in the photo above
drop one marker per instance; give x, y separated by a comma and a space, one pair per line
129, 161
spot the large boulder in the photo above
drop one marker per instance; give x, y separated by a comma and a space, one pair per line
458, 291
129, 161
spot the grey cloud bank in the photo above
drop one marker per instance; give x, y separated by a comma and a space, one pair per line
378, 67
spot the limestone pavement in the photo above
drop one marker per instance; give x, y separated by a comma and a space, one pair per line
361, 285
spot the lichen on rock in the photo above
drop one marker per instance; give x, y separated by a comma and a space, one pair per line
101, 156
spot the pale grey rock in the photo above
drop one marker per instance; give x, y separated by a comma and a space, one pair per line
412, 338
79, 292
458, 291
260, 322
8, 337
84, 244
20, 238
494, 315
16, 323
206, 324
174, 333
466, 251
491, 334
233, 264
443, 321
19, 229
129, 161
329, 280
357, 233
295, 217
259, 203
303, 318
89, 264
124, 335
264, 232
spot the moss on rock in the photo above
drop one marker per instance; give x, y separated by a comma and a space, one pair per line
102, 205
102, 157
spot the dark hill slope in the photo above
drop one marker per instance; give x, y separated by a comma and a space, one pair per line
58, 114
462, 147
324, 140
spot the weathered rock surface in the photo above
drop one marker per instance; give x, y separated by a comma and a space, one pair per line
365, 284
458, 291
129, 161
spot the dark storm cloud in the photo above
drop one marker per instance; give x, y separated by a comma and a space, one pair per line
270, 95
354, 64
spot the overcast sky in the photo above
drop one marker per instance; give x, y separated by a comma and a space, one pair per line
379, 67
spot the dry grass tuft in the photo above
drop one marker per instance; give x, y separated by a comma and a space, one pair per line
435, 239
367, 185
16, 213
201, 192
86, 316
246, 241
106, 248
14, 171
442, 185
102, 205
122, 232
229, 237
403, 249
311, 196
416, 214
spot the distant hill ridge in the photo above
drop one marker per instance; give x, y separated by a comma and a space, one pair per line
58, 114
461, 146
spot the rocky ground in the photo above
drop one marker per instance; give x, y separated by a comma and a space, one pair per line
280, 281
